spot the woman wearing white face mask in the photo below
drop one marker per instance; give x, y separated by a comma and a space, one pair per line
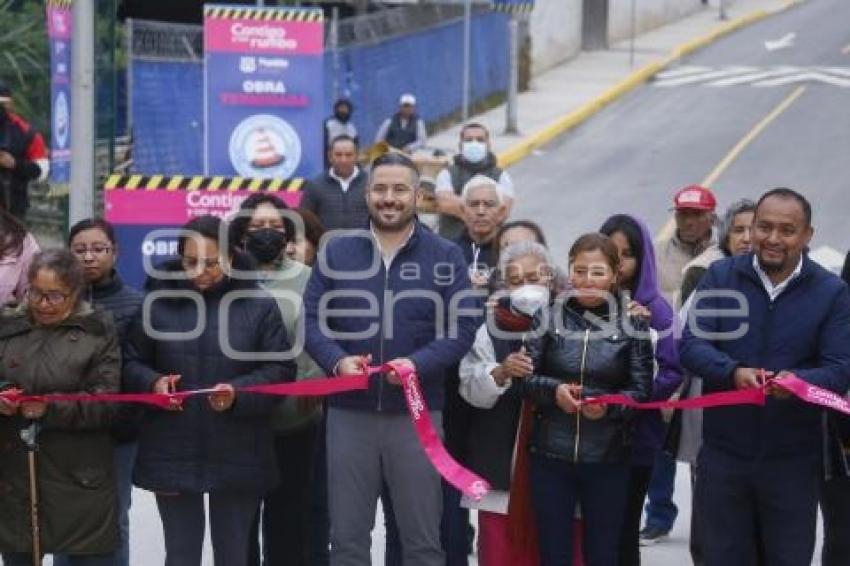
488, 374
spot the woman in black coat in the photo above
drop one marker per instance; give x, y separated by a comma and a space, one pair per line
580, 453
203, 329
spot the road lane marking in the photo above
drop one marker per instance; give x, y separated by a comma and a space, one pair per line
736, 151
751, 136
711, 74
753, 76
681, 71
808, 77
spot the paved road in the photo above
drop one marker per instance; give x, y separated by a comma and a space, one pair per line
632, 156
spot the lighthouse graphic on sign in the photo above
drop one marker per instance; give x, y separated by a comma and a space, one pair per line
265, 146
265, 154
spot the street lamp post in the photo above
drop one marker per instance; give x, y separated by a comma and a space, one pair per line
81, 201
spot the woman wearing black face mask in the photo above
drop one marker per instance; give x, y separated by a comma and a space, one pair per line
264, 227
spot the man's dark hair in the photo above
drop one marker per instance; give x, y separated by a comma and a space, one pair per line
92, 224
396, 158
342, 138
239, 225
206, 227
470, 125
786, 193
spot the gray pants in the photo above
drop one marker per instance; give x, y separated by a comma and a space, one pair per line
364, 449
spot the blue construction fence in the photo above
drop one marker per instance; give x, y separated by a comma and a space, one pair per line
167, 97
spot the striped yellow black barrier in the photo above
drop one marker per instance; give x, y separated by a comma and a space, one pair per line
196, 183
264, 14
60, 4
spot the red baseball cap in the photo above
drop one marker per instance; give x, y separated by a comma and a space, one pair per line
694, 197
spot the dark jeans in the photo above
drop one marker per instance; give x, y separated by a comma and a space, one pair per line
286, 510
321, 520
661, 512
740, 499
696, 545
183, 524
835, 505
601, 490
629, 541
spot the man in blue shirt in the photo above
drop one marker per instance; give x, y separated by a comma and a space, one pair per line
392, 292
760, 315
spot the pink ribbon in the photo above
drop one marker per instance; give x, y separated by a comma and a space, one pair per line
802, 390
721, 399
307, 388
466, 481
813, 394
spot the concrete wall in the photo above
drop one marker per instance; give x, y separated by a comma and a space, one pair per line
650, 15
555, 29
555, 25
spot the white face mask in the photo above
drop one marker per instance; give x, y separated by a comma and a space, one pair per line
529, 299
473, 151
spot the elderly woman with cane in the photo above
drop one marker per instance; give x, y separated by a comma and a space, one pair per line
56, 479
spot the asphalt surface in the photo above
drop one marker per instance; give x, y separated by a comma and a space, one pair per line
632, 156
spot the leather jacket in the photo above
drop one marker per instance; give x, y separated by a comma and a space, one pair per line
591, 348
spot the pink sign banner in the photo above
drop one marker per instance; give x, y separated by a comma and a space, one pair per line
263, 37
175, 208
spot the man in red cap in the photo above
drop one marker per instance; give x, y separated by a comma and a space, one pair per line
694, 208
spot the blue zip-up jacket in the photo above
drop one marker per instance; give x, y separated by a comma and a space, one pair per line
806, 330
422, 308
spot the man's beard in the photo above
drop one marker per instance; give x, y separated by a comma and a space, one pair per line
402, 223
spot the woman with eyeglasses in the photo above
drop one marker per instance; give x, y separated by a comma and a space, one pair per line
55, 343
588, 345
209, 326
93, 243
17, 248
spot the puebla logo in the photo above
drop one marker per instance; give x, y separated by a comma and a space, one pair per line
265, 146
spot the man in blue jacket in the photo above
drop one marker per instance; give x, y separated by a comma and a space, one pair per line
764, 315
393, 292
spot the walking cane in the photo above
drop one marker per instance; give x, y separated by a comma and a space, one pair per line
30, 437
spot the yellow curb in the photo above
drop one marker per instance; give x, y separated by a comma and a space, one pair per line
522, 149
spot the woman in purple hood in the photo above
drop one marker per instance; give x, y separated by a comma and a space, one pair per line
638, 277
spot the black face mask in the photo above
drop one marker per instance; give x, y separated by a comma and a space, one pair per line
265, 244
342, 115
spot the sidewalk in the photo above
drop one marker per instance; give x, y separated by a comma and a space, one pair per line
567, 95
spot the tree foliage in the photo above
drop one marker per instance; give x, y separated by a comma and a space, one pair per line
25, 59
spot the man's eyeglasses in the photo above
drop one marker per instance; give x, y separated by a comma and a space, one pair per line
53, 298
94, 249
